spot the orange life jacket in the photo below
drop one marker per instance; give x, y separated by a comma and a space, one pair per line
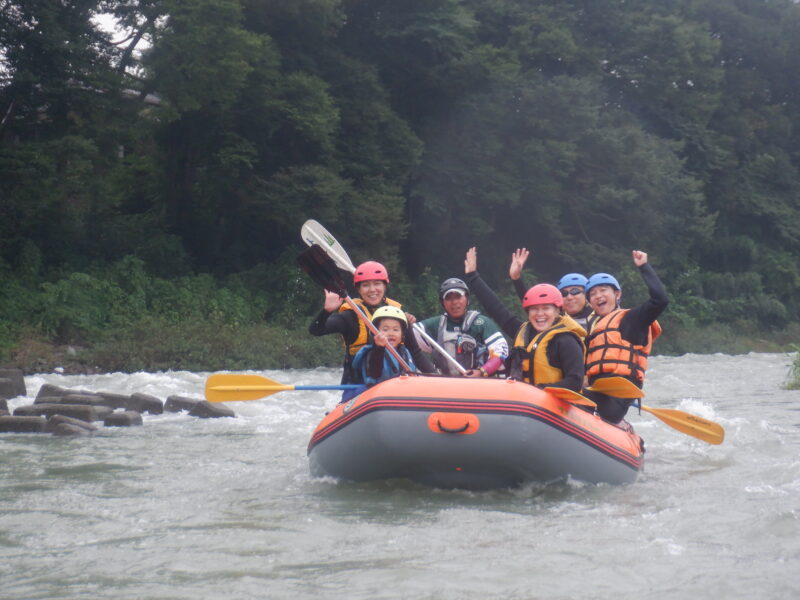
363, 332
609, 354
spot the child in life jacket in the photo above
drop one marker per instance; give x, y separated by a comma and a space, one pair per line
374, 363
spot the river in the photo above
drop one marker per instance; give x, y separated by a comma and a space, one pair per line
225, 508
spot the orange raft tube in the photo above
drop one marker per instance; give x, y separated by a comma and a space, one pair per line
472, 434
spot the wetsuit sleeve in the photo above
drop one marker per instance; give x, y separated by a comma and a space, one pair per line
340, 322
421, 360
520, 287
493, 338
566, 352
635, 325
508, 323
374, 362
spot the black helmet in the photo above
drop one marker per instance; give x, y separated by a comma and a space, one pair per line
451, 285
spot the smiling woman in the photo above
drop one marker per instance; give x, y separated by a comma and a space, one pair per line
547, 351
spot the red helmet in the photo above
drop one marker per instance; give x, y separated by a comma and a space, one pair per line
542, 293
369, 271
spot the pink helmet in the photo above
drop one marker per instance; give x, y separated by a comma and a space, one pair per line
542, 293
369, 271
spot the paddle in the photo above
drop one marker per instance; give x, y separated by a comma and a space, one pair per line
570, 396
322, 269
314, 233
229, 387
703, 429
619, 387
459, 367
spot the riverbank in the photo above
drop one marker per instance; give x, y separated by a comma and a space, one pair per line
156, 346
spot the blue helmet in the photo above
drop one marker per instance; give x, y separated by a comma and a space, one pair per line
571, 279
602, 279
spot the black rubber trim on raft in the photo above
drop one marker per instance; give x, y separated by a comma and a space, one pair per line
480, 406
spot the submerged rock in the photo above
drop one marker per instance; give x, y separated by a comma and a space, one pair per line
83, 412
179, 403
12, 383
146, 403
54, 421
23, 424
115, 400
48, 389
125, 418
67, 429
208, 410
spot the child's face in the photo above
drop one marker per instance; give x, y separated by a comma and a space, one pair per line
392, 329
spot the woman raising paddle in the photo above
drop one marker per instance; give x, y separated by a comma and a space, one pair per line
370, 279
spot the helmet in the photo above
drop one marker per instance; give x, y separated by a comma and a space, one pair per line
369, 271
602, 279
452, 284
571, 279
542, 293
390, 312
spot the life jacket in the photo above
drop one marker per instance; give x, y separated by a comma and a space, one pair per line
585, 318
459, 344
609, 354
391, 368
529, 355
363, 332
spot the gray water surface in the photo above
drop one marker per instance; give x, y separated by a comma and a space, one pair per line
226, 508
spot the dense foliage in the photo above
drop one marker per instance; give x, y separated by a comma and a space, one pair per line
155, 179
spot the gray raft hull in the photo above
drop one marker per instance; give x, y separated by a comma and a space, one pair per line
527, 436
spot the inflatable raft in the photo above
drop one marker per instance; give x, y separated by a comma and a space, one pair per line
474, 434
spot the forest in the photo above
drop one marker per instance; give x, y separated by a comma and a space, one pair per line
154, 178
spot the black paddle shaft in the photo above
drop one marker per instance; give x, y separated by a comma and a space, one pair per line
321, 268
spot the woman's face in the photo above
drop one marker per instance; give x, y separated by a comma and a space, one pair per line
542, 316
372, 291
603, 299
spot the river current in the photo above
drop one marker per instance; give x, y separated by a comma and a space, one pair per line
225, 508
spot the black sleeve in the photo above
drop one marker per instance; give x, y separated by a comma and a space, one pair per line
421, 360
520, 287
374, 361
635, 324
566, 352
343, 323
504, 318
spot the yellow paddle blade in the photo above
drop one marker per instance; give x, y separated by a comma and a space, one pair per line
229, 387
619, 387
703, 429
570, 396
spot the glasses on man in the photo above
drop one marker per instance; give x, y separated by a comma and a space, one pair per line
572, 292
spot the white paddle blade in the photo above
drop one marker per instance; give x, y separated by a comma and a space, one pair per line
314, 233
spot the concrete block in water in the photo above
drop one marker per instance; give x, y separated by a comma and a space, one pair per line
115, 400
90, 399
67, 429
146, 403
56, 420
48, 400
48, 389
23, 424
17, 379
3, 406
126, 418
208, 410
179, 403
84, 412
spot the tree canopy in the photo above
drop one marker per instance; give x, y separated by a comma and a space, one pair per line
200, 135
